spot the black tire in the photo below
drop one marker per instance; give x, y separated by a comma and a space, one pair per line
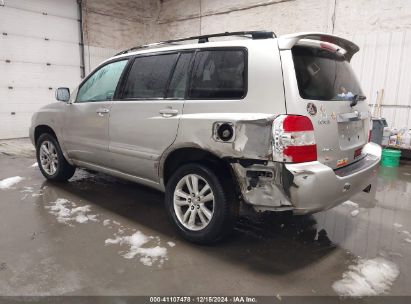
223, 219
64, 170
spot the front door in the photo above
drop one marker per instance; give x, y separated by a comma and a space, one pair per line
86, 124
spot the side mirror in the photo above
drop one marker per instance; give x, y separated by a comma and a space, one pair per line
63, 94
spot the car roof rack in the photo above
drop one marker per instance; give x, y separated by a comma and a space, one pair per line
205, 38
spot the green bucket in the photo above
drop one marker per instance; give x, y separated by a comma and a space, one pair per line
390, 158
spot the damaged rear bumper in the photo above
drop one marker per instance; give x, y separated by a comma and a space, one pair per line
307, 187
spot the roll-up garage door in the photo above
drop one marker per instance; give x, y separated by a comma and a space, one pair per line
39, 51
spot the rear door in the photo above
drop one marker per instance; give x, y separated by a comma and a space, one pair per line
320, 84
144, 121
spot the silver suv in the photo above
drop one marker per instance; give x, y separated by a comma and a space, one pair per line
277, 123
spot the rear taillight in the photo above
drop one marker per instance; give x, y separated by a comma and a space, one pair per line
294, 140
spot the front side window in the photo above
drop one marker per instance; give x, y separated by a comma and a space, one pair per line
102, 84
324, 75
148, 77
219, 74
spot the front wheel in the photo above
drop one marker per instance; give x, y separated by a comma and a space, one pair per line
198, 205
51, 160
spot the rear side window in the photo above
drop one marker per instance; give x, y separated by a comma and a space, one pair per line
324, 75
219, 74
102, 84
148, 77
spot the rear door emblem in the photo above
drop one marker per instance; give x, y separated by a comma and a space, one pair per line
311, 109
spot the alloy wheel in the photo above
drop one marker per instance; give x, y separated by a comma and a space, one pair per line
193, 202
48, 157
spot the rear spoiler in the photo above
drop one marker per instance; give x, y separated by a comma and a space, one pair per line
286, 42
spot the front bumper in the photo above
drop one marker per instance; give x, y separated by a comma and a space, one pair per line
31, 135
308, 187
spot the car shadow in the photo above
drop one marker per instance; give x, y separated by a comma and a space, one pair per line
270, 243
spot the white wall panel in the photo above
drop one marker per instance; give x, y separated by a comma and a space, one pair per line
26, 49
384, 62
16, 21
29, 75
404, 84
19, 100
394, 67
18, 108
62, 8
15, 126
26, 81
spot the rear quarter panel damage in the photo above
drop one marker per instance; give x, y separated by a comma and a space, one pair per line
252, 138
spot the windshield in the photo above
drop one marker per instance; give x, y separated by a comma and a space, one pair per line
324, 75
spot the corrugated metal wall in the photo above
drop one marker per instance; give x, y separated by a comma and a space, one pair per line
384, 62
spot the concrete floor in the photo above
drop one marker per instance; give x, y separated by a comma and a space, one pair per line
275, 256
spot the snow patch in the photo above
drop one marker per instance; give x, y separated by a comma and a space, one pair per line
27, 190
68, 212
406, 232
395, 254
397, 225
408, 240
355, 212
106, 222
350, 204
34, 165
171, 244
80, 175
10, 182
367, 278
148, 255
151, 255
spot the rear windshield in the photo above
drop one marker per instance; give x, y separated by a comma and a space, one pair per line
324, 75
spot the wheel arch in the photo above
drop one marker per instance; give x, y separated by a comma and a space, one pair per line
177, 157
41, 129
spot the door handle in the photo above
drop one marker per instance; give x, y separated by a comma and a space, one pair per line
102, 111
168, 112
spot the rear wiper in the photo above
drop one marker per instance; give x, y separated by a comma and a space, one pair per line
356, 99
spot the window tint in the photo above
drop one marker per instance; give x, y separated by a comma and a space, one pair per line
149, 76
324, 75
178, 83
102, 84
218, 74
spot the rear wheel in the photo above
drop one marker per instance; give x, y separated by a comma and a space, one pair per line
51, 160
198, 205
